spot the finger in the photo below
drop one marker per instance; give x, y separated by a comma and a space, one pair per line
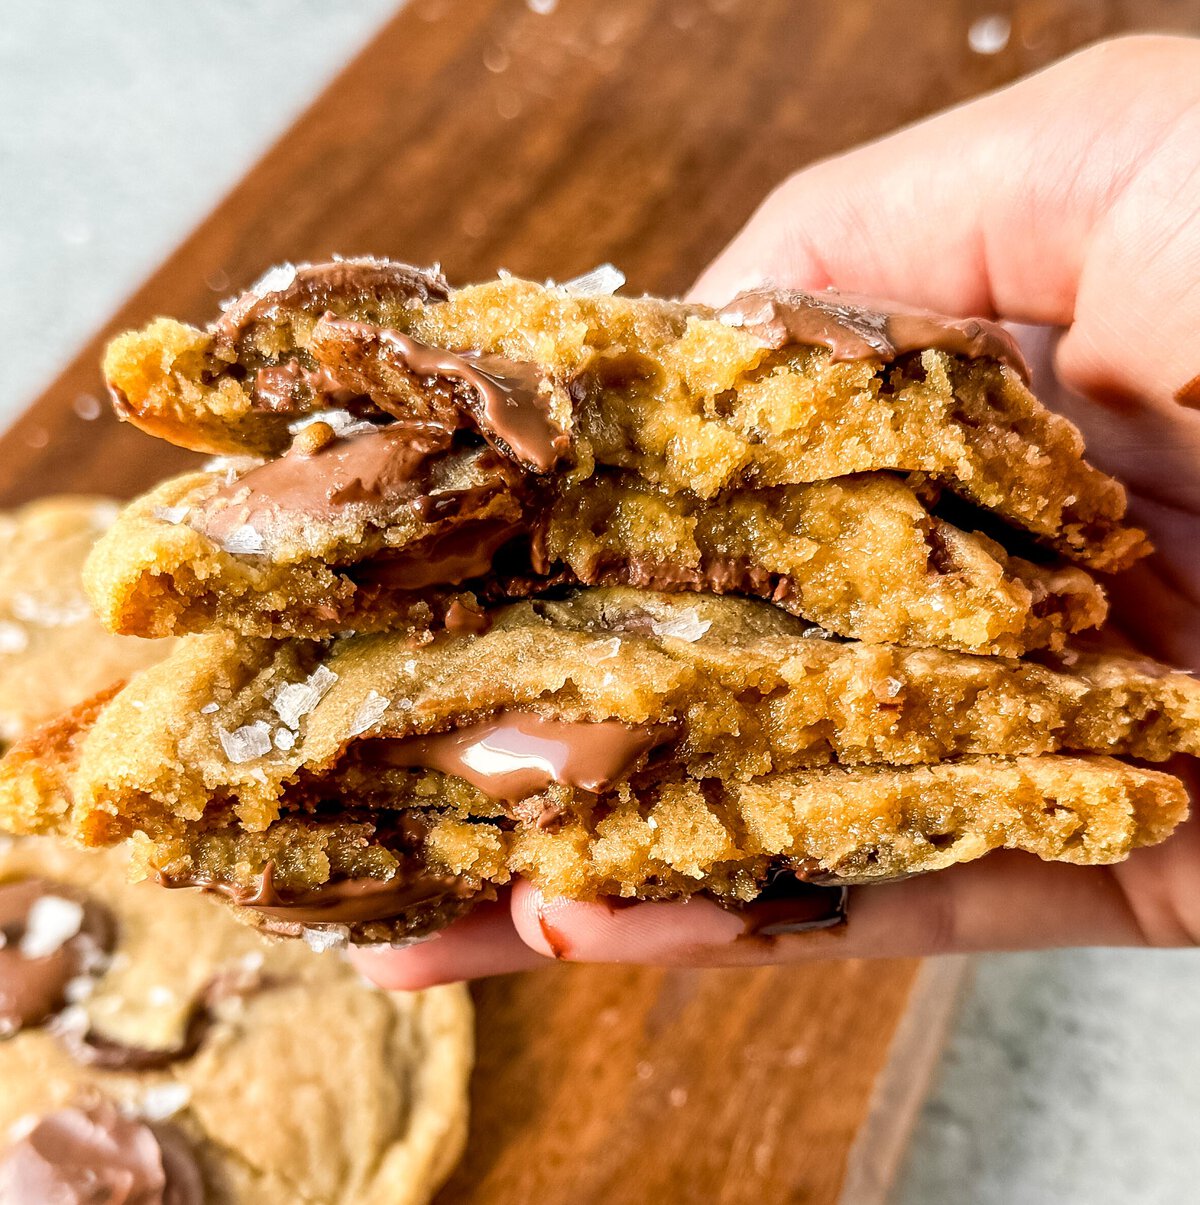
482, 943
1062, 199
1006, 901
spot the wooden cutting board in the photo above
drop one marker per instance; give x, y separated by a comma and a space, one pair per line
484, 134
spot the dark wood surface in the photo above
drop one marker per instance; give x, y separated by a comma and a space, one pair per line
482, 134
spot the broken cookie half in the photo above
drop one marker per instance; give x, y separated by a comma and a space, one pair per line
612, 743
398, 452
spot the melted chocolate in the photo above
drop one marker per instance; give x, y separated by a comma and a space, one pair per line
854, 327
343, 284
290, 388
462, 620
448, 559
518, 754
502, 396
345, 901
91, 1153
32, 990
382, 467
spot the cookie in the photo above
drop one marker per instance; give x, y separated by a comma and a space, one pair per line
446, 425
675, 838
52, 651
860, 556
343, 760
171, 1054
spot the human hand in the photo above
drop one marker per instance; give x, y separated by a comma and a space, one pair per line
1068, 200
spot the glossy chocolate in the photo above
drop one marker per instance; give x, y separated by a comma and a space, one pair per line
341, 284
502, 396
449, 559
381, 468
345, 901
519, 754
854, 327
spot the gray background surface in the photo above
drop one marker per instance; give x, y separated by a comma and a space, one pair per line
1072, 1077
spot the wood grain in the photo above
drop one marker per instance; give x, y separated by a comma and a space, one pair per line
484, 135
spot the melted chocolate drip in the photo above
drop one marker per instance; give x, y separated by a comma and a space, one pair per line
344, 901
517, 754
854, 327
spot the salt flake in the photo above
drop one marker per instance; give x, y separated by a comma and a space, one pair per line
295, 700
344, 424
52, 922
603, 281
370, 713
161, 1101
13, 637
171, 514
246, 743
687, 625
209, 708
329, 937
275, 280
243, 541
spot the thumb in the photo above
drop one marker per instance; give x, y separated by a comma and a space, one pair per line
1063, 199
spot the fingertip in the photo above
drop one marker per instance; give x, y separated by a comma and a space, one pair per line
481, 944
623, 931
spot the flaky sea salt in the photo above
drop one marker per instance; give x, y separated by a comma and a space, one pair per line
687, 625
160, 1101
605, 651
79, 989
246, 743
285, 739
294, 701
13, 637
602, 281
369, 713
171, 514
330, 937
274, 280
210, 708
244, 541
51, 923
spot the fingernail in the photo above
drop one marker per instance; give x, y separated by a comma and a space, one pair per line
790, 905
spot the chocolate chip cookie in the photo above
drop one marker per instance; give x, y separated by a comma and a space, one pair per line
52, 650
352, 767
170, 1055
429, 450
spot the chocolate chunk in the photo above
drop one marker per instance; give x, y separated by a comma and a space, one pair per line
35, 968
854, 327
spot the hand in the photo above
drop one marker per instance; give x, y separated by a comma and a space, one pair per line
1068, 200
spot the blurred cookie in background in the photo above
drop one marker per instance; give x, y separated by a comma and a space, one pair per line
170, 1054
53, 652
